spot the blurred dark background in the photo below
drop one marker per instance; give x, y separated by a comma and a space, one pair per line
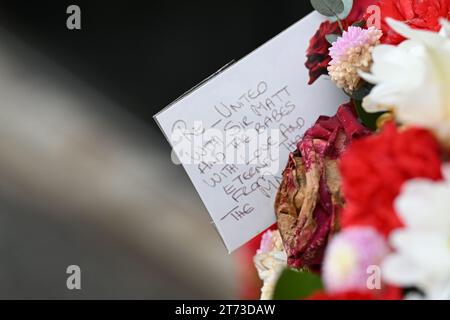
144, 54
85, 174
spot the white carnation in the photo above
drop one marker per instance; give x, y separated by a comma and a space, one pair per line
270, 264
413, 79
422, 247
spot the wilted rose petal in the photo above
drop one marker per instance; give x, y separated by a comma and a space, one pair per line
309, 198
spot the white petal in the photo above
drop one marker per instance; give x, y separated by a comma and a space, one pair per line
369, 77
398, 65
427, 250
424, 204
397, 269
446, 172
445, 30
381, 98
411, 209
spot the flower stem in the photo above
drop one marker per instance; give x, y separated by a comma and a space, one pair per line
339, 23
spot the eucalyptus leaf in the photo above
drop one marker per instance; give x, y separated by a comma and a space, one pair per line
332, 37
294, 285
348, 5
328, 8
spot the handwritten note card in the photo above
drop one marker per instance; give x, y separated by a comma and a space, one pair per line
234, 132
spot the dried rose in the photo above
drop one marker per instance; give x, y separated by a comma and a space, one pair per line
309, 199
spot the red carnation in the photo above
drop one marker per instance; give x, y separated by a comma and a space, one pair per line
359, 9
350, 295
317, 52
374, 168
418, 14
389, 293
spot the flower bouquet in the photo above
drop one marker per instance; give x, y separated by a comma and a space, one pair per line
363, 210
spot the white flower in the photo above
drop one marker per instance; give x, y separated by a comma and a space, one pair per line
413, 79
270, 261
422, 247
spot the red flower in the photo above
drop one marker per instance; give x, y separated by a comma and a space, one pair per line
317, 52
350, 295
390, 293
419, 14
374, 168
359, 9
309, 198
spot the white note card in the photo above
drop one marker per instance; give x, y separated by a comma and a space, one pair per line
233, 133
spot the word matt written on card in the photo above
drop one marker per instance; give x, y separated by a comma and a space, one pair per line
233, 133
238, 151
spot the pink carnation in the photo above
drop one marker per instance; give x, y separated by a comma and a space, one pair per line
267, 242
350, 54
354, 37
348, 257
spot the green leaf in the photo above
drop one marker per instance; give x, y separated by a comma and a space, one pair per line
293, 285
360, 23
348, 4
332, 37
329, 8
362, 91
368, 119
